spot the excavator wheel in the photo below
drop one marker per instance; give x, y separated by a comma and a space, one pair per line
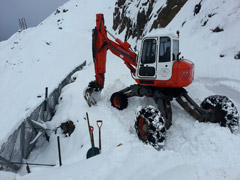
150, 126
119, 100
224, 111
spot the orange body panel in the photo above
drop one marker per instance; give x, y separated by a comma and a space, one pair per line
182, 76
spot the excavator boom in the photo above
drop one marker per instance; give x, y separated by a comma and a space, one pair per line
100, 44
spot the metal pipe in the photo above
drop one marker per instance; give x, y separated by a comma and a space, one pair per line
111, 34
59, 151
35, 164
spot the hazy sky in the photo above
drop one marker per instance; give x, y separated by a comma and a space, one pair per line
34, 11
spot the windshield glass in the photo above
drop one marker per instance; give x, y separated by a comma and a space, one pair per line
148, 51
165, 49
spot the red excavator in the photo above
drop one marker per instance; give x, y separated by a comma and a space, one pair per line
160, 74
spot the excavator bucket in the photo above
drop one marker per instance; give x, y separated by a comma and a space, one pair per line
89, 97
92, 92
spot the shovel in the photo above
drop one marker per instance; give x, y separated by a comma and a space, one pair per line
93, 151
99, 124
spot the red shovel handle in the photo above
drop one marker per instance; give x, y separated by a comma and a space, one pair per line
91, 129
91, 135
99, 123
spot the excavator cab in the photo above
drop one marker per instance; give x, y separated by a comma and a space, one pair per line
158, 63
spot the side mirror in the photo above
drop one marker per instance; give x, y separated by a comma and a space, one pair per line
178, 56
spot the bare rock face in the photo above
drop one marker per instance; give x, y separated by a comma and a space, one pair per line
137, 17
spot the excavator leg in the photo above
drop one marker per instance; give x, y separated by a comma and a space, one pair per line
192, 108
164, 105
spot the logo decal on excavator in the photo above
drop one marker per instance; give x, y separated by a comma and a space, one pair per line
184, 76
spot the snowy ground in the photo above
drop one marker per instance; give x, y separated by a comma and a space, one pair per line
193, 150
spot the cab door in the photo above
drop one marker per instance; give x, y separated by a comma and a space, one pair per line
148, 59
165, 63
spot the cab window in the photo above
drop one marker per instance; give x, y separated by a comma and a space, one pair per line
175, 49
165, 49
148, 51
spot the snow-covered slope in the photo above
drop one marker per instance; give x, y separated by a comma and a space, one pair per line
193, 150
210, 49
41, 57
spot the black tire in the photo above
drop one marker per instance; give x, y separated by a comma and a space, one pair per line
150, 127
224, 111
119, 100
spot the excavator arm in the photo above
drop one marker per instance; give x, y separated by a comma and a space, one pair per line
100, 45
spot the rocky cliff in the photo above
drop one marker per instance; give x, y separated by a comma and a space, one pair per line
137, 17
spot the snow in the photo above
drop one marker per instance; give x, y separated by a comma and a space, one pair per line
192, 150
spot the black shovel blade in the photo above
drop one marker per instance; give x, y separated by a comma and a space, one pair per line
92, 152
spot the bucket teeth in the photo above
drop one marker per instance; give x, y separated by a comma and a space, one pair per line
88, 97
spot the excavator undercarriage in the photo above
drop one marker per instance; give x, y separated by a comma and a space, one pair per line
151, 123
163, 98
